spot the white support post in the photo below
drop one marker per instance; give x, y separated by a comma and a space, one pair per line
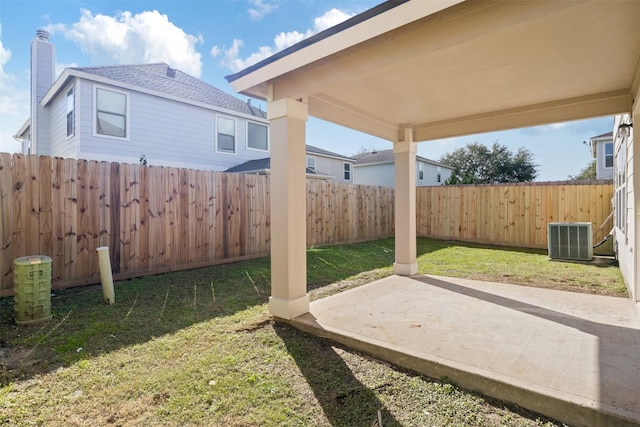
405, 205
289, 298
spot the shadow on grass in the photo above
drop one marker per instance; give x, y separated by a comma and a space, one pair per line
427, 245
344, 399
83, 326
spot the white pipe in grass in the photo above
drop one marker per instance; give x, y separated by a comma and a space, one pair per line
105, 275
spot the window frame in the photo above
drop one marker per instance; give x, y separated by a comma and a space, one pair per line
309, 157
247, 146
127, 116
235, 135
604, 149
420, 171
620, 187
346, 169
71, 93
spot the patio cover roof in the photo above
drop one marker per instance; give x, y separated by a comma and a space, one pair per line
451, 67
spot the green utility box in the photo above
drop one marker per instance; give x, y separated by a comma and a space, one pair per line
32, 287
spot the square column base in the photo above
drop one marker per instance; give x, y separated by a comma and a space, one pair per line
289, 309
405, 269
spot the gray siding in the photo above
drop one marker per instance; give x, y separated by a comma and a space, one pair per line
167, 132
331, 166
59, 145
42, 75
431, 174
384, 174
380, 175
602, 172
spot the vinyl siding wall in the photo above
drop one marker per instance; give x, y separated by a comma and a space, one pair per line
602, 172
166, 132
384, 174
332, 167
431, 174
59, 145
379, 175
42, 76
625, 241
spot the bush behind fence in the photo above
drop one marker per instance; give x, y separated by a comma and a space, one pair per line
160, 219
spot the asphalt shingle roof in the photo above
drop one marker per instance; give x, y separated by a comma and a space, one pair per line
259, 165
386, 156
161, 77
610, 133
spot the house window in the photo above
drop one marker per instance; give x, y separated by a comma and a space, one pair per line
439, 178
347, 171
111, 113
608, 155
311, 162
70, 114
620, 196
420, 172
226, 135
257, 136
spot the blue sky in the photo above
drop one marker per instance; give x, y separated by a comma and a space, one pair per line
213, 38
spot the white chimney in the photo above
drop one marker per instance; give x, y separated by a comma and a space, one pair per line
42, 76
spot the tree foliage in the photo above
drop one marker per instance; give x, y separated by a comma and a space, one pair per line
589, 172
479, 164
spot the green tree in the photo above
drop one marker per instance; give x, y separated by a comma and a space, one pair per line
589, 172
479, 164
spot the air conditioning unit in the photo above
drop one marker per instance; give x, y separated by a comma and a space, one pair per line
570, 240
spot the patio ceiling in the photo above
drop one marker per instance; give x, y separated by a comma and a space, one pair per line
448, 68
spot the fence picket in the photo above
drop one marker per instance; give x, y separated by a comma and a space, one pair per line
158, 219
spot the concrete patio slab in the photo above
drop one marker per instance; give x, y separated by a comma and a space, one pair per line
573, 357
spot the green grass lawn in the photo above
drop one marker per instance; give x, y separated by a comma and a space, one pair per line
199, 348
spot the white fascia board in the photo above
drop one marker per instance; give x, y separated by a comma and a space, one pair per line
372, 164
25, 126
67, 73
390, 20
433, 162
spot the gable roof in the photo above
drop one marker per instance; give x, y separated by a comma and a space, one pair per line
386, 156
162, 79
264, 165
593, 141
603, 136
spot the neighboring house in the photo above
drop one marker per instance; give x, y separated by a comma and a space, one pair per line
602, 151
321, 164
120, 113
623, 201
378, 168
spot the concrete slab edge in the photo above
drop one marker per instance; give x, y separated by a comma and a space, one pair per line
572, 410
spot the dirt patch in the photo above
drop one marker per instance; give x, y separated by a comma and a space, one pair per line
20, 363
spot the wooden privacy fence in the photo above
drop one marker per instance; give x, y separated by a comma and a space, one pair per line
341, 212
158, 219
511, 214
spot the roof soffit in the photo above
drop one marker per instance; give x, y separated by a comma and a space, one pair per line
477, 61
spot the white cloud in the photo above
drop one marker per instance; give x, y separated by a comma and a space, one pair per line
329, 19
215, 51
14, 104
261, 9
130, 39
231, 57
60, 68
